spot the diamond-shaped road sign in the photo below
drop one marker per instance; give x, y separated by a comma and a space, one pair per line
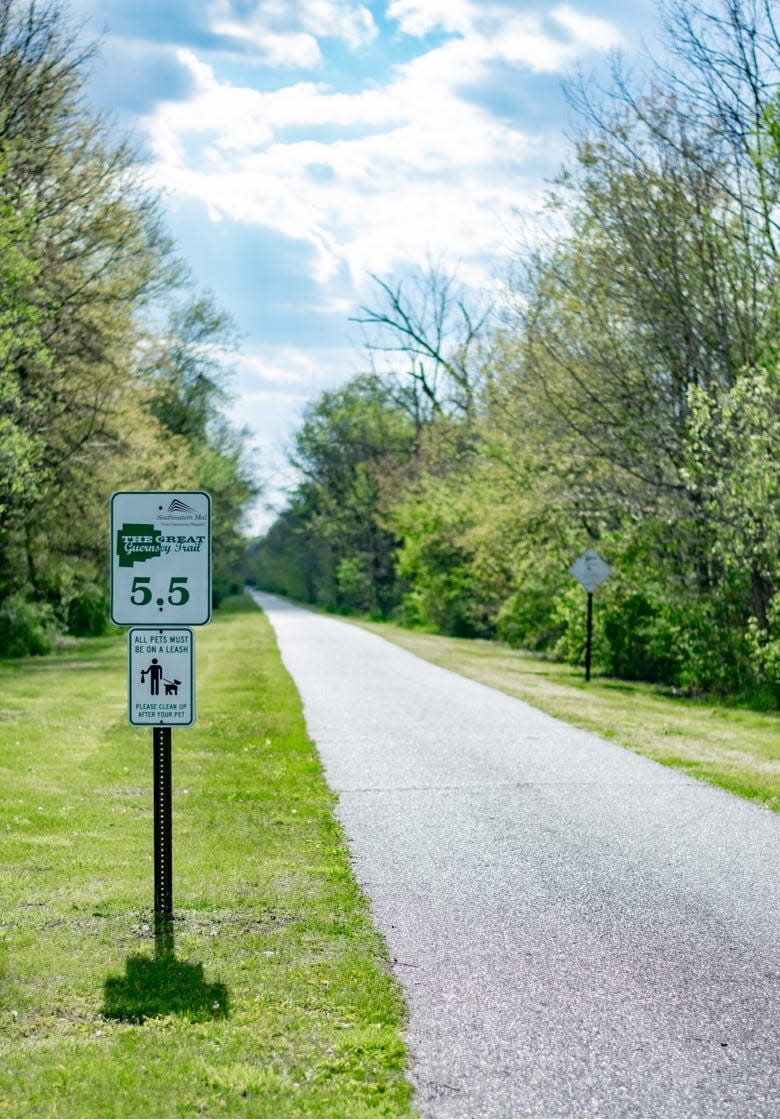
590, 570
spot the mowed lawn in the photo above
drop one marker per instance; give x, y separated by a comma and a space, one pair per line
274, 997
732, 747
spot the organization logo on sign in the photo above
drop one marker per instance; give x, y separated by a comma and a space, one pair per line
136, 543
178, 506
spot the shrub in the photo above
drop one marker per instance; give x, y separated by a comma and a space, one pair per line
525, 619
88, 611
26, 626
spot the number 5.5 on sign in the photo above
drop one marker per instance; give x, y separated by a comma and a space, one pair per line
161, 558
141, 592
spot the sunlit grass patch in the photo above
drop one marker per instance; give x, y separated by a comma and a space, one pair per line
270, 994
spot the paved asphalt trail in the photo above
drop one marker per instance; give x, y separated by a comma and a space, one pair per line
578, 931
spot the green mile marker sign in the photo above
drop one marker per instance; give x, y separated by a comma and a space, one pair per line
161, 558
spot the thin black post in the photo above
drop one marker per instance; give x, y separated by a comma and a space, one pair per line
163, 824
589, 636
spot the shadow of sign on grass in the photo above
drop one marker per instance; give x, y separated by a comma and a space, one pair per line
162, 985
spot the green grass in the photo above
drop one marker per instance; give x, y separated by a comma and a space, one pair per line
272, 995
735, 748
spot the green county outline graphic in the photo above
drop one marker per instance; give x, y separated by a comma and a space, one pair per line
136, 543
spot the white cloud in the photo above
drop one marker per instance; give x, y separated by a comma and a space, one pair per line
283, 371
524, 40
218, 118
354, 24
284, 34
418, 17
273, 384
588, 31
313, 105
507, 32
430, 170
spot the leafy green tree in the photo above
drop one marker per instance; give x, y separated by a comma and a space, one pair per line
21, 451
187, 370
291, 559
350, 453
733, 466
93, 251
661, 295
85, 265
655, 290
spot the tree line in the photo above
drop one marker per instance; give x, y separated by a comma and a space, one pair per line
113, 368
622, 393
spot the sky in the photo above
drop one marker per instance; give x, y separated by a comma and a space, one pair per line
299, 145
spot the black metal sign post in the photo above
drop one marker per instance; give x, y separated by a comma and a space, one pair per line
161, 675
163, 825
589, 636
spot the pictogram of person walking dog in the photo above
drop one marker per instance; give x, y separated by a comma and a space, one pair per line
155, 674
